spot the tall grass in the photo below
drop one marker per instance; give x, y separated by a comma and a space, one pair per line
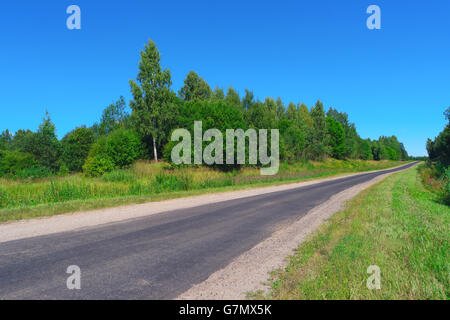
145, 179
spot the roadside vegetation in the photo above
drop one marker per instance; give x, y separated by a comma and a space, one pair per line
436, 172
398, 225
109, 160
145, 181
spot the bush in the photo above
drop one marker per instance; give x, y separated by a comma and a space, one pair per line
76, 145
445, 193
98, 162
35, 171
98, 165
123, 147
11, 162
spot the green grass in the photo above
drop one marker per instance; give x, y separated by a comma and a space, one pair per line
143, 182
397, 225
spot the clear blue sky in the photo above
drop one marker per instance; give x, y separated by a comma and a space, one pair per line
393, 81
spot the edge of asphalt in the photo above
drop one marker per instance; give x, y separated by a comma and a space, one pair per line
29, 228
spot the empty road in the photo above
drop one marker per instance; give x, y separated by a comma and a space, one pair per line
159, 256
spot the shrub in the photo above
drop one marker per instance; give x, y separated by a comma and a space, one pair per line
123, 147
35, 171
11, 162
76, 145
445, 193
98, 165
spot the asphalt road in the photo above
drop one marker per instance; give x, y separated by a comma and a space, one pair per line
155, 257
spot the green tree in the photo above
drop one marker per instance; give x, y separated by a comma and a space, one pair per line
280, 108
292, 113
5, 140
232, 99
123, 147
365, 150
337, 138
114, 116
195, 88
318, 138
218, 94
76, 145
153, 105
248, 100
44, 145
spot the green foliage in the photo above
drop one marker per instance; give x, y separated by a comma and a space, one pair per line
195, 88
294, 141
43, 145
118, 150
439, 149
213, 113
365, 150
11, 162
98, 165
445, 192
233, 100
5, 140
76, 145
153, 109
123, 147
337, 138
114, 117
318, 138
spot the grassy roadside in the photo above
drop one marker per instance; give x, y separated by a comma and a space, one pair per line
397, 225
146, 182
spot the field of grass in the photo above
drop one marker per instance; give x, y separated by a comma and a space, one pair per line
397, 225
143, 182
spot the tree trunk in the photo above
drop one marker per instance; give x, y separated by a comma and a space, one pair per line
154, 149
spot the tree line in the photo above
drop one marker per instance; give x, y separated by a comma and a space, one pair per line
121, 137
437, 172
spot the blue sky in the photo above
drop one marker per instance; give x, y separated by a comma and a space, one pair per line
393, 81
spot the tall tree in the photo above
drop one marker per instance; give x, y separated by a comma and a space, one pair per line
248, 99
232, 99
280, 108
195, 88
337, 138
218, 94
318, 138
5, 139
44, 145
153, 104
113, 117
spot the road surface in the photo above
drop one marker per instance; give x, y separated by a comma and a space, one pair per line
159, 256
